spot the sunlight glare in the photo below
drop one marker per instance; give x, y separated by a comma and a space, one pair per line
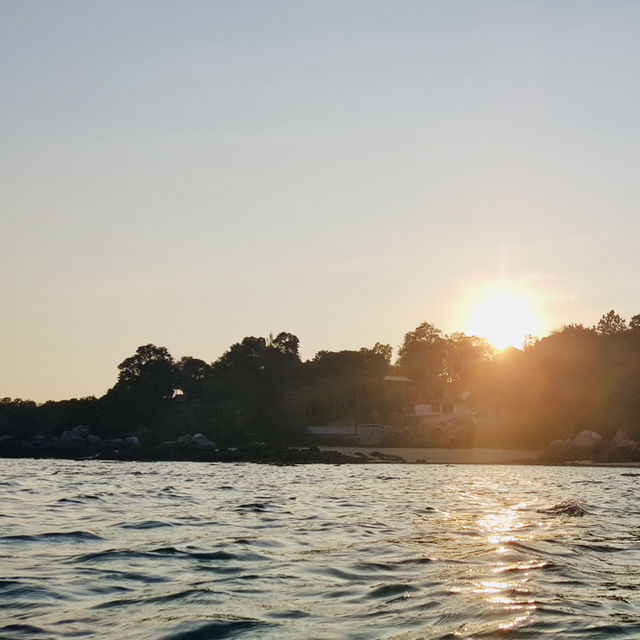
504, 318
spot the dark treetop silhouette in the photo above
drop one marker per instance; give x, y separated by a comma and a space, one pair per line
260, 390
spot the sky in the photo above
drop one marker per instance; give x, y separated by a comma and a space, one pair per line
189, 173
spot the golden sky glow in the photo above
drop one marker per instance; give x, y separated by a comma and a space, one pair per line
341, 171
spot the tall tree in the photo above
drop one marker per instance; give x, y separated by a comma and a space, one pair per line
345, 385
610, 324
149, 371
286, 343
191, 375
422, 357
252, 379
463, 354
384, 351
146, 382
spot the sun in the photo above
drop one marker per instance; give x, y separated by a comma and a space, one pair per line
505, 318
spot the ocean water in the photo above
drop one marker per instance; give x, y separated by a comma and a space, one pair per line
190, 551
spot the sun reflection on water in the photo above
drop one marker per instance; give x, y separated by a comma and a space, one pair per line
500, 526
503, 528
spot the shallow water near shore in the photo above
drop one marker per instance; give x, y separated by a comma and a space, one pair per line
209, 550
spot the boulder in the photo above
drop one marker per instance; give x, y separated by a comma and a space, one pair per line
107, 445
81, 430
6, 442
200, 441
557, 451
110, 445
622, 451
71, 439
79, 441
93, 441
620, 436
131, 442
586, 443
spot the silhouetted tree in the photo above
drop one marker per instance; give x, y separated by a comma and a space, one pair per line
463, 354
346, 385
251, 381
286, 343
432, 359
422, 357
56, 417
384, 351
191, 375
19, 418
140, 398
149, 371
576, 378
610, 324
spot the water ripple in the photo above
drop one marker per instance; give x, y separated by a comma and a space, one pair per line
185, 551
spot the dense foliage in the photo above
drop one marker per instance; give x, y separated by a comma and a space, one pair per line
260, 390
577, 378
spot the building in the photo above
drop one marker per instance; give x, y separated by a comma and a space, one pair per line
451, 407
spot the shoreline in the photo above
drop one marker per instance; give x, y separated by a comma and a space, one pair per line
433, 455
335, 456
479, 455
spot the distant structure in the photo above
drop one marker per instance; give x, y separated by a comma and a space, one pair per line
397, 390
448, 408
363, 434
397, 379
451, 407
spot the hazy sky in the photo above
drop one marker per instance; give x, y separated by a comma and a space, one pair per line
190, 173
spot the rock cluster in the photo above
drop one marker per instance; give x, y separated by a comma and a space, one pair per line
79, 443
590, 445
186, 447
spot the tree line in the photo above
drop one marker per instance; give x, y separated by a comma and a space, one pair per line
260, 390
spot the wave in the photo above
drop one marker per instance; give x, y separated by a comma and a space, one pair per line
147, 524
393, 590
566, 508
54, 536
429, 552
16, 631
170, 597
214, 630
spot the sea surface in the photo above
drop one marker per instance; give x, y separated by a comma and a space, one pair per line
124, 550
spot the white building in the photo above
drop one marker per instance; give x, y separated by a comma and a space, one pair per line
451, 408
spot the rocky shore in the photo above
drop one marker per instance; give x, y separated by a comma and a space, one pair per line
590, 446
80, 444
587, 447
